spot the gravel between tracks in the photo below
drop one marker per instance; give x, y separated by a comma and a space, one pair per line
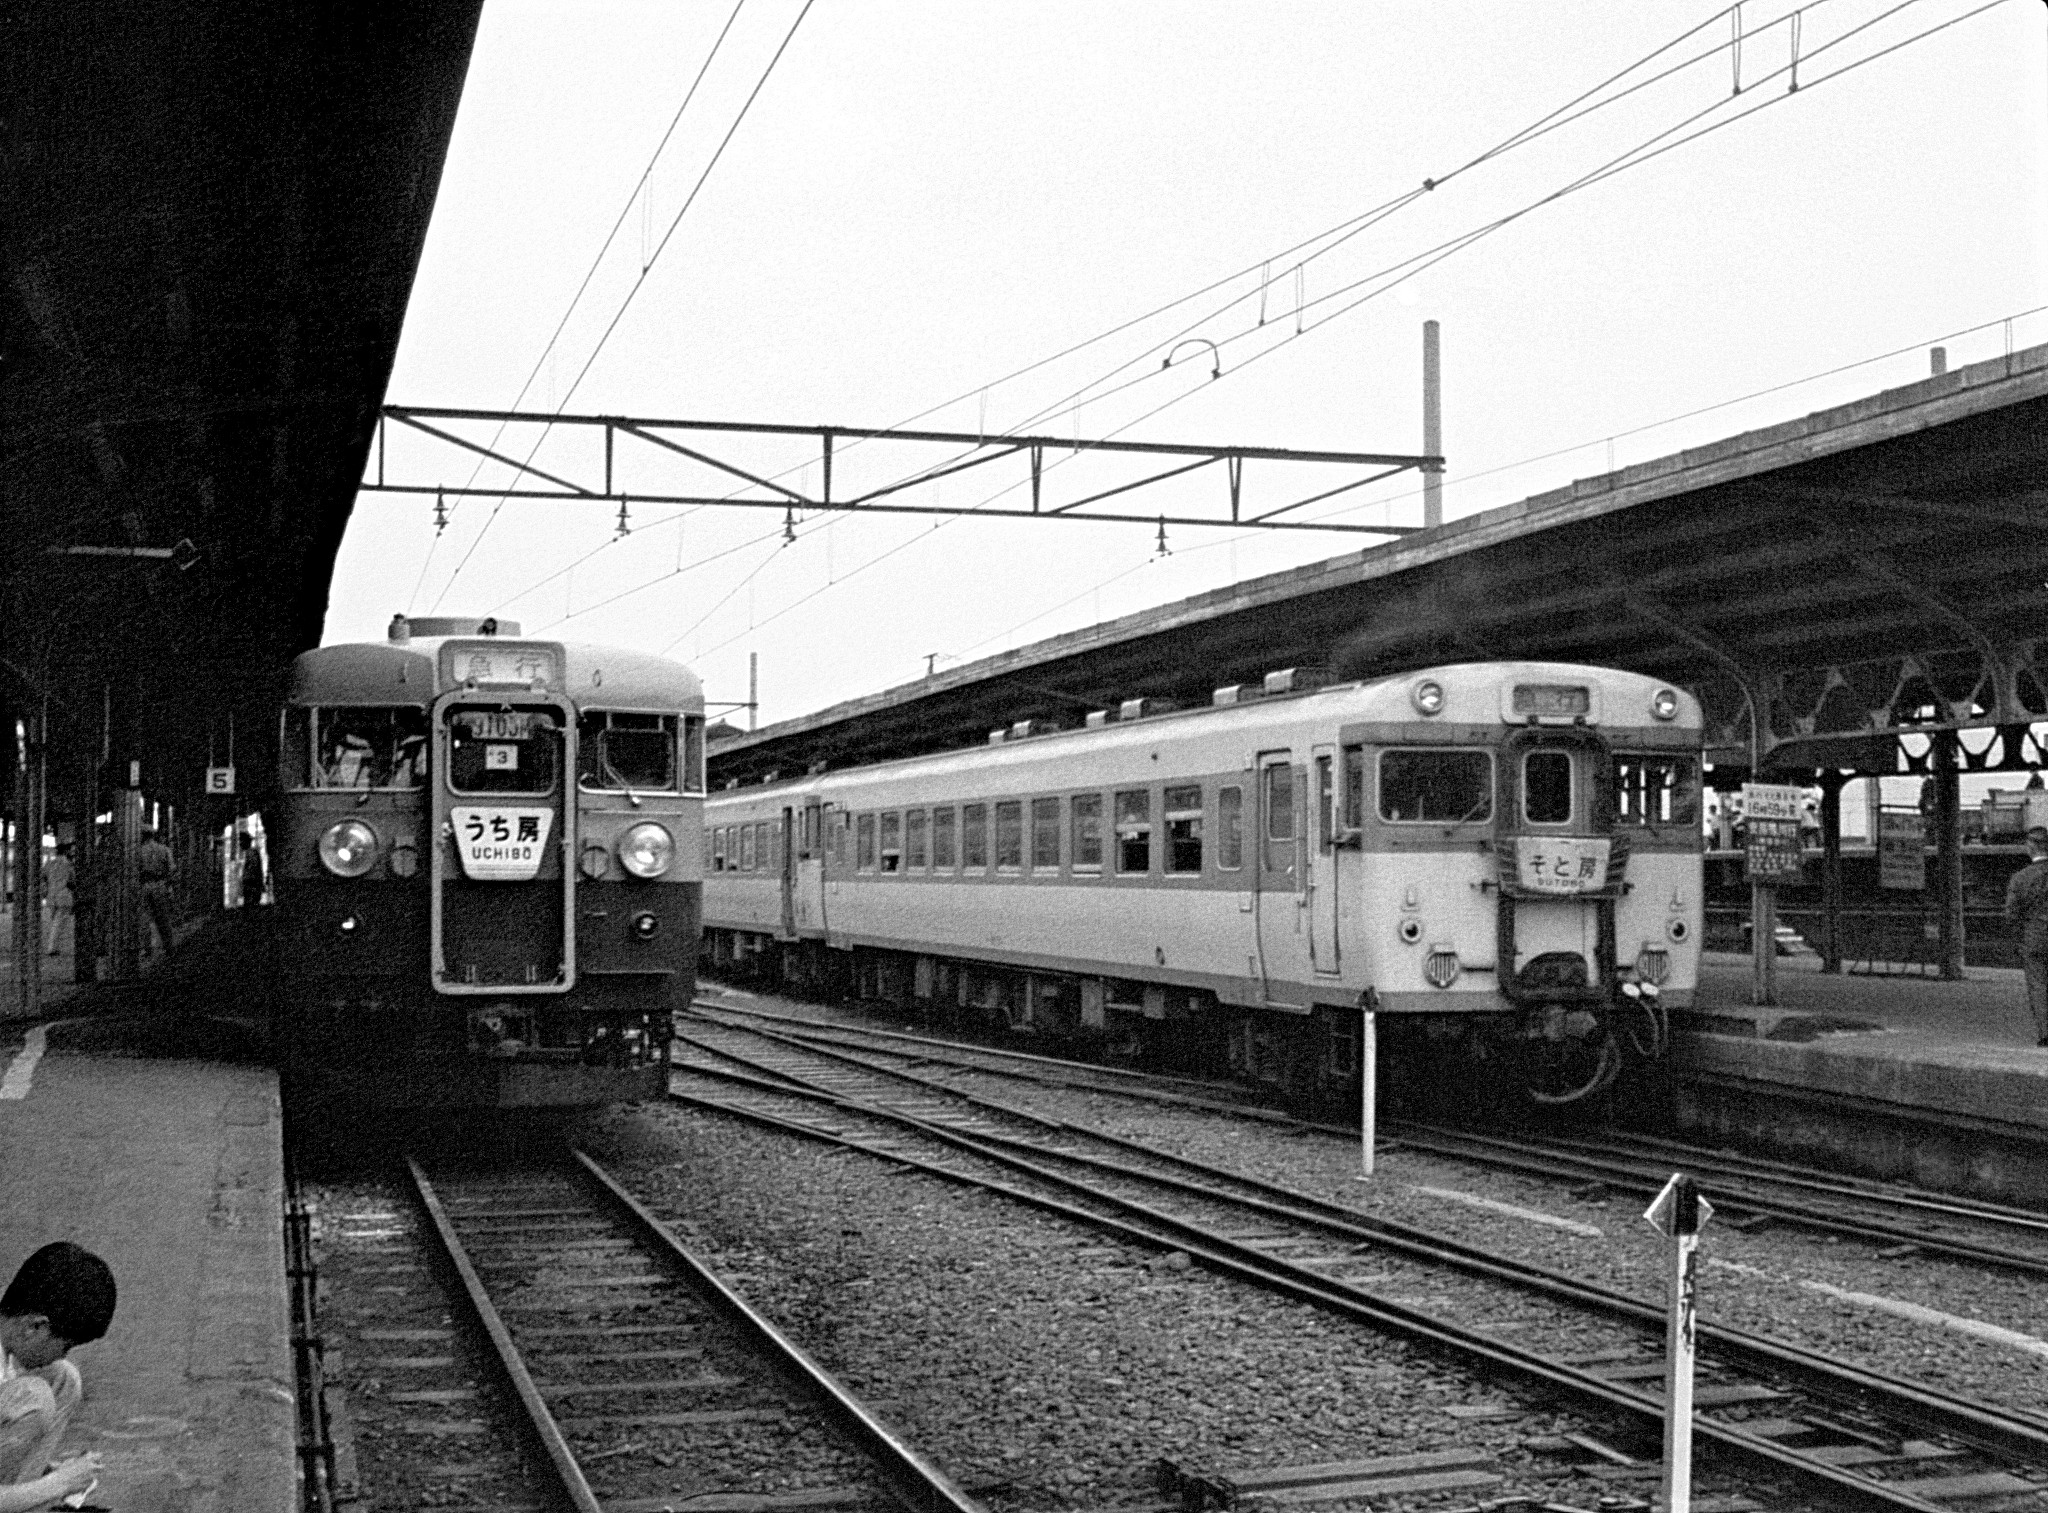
1043, 1367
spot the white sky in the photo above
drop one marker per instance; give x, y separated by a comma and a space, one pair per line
928, 196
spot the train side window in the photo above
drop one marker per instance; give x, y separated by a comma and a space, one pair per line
1435, 787
1655, 789
974, 837
1279, 828
839, 832
1045, 835
1354, 787
1547, 787
915, 856
746, 848
764, 846
1230, 828
693, 753
942, 840
1087, 811
1182, 811
864, 842
892, 842
718, 848
1134, 830
1326, 805
1009, 835
807, 844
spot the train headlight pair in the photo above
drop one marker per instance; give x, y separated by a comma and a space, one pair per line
646, 850
348, 848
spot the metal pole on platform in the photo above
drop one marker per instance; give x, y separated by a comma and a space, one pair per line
1831, 870
1948, 850
1432, 427
1368, 1091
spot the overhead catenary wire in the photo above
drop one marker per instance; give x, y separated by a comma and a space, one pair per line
1331, 238
640, 282
641, 192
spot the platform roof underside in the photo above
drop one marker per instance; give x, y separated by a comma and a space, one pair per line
1878, 566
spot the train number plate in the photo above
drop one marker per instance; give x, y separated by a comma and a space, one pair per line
501, 843
1561, 864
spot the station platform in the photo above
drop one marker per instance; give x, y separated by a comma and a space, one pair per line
156, 1141
1909, 1077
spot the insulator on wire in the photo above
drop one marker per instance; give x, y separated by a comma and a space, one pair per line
788, 524
1163, 550
625, 521
440, 512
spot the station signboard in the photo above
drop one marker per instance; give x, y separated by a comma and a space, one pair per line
1771, 814
1902, 850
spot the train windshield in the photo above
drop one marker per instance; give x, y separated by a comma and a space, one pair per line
633, 752
355, 747
502, 750
1656, 789
1436, 787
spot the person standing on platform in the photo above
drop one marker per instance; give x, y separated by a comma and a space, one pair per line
252, 875
153, 869
61, 1298
58, 896
2026, 905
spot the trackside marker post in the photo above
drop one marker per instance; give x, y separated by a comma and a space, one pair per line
1678, 1214
1368, 1090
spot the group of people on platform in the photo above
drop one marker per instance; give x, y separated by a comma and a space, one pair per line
156, 873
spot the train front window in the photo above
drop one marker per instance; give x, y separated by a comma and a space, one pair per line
626, 752
1547, 787
356, 747
501, 750
1656, 790
1435, 787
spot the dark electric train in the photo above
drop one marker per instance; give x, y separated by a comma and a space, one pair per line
488, 875
1502, 859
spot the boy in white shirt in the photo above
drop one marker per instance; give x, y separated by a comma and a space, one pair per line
62, 1297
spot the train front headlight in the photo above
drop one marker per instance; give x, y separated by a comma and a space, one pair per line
1664, 704
1428, 696
646, 850
348, 848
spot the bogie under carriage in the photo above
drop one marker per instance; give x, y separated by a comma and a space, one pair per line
1504, 860
488, 877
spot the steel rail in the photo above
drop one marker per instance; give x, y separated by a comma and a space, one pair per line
1244, 1263
567, 1471
918, 1483
2012, 1433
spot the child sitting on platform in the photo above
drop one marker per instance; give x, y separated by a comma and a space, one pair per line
62, 1297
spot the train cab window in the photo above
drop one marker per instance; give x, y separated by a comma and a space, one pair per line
356, 747
1547, 787
1134, 830
1436, 787
1045, 835
1654, 789
942, 840
892, 842
500, 750
1279, 780
629, 752
1087, 813
1230, 828
974, 837
864, 842
915, 853
1183, 815
1010, 835
1354, 787
693, 753
746, 848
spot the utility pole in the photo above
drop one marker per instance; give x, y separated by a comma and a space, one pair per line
753, 690
1432, 428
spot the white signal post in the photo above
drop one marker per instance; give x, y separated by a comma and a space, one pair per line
1368, 1090
1679, 1213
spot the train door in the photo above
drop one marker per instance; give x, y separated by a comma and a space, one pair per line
1558, 918
1324, 948
786, 854
1279, 896
503, 893
809, 899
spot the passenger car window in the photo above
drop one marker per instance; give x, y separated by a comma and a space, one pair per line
892, 842
1087, 809
1010, 834
974, 836
1183, 814
914, 853
864, 842
1230, 828
1134, 830
942, 840
1436, 787
1045, 835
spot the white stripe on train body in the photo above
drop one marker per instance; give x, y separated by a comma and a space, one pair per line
1363, 844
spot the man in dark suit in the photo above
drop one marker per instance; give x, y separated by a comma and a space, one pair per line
2026, 905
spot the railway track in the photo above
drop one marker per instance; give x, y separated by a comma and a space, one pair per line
641, 1379
1746, 1191
1848, 1434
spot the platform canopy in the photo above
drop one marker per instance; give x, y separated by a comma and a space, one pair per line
210, 219
1868, 570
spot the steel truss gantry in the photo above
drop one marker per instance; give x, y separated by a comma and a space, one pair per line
595, 474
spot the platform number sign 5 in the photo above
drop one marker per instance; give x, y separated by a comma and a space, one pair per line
220, 780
